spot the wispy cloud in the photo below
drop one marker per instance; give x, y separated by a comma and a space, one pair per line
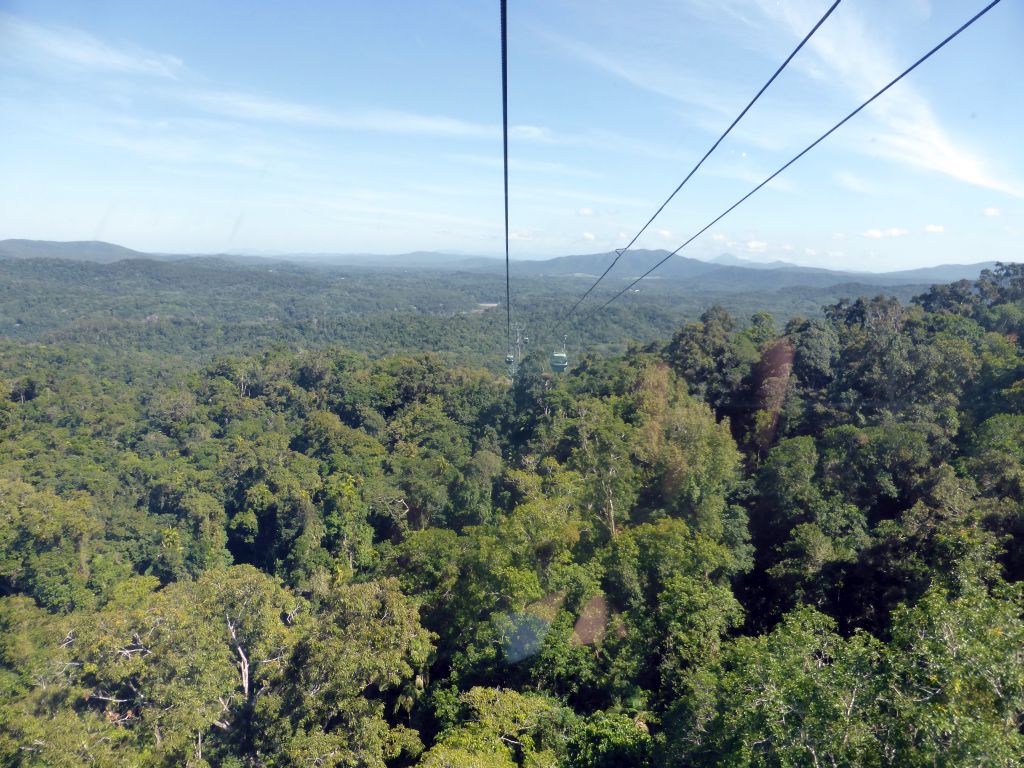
643, 69
256, 108
934, 229
247, 106
41, 46
918, 139
880, 234
37, 44
846, 50
912, 133
184, 142
992, 212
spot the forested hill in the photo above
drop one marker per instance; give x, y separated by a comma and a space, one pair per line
84, 250
203, 307
748, 544
726, 270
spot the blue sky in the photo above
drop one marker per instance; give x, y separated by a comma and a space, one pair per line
375, 127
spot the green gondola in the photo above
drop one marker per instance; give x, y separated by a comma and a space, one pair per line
560, 360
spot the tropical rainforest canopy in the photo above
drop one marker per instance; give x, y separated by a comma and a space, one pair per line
750, 544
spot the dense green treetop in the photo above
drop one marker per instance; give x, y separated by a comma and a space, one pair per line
755, 543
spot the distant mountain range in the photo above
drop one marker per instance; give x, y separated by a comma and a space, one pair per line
83, 250
727, 273
741, 275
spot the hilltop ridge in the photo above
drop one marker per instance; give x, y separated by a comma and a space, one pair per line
726, 272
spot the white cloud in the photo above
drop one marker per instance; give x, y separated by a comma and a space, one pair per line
934, 228
33, 43
643, 69
665, 233
41, 45
848, 51
586, 211
250, 107
588, 235
718, 238
171, 141
531, 132
757, 246
992, 212
916, 138
879, 234
912, 133
247, 106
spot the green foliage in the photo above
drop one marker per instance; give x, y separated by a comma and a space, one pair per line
503, 728
606, 740
957, 679
800, 696
362, 653
742, 547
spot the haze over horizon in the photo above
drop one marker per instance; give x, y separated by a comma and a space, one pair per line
193, 128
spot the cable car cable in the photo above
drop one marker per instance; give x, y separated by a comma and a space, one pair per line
620, 251
504, 136
807, 149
